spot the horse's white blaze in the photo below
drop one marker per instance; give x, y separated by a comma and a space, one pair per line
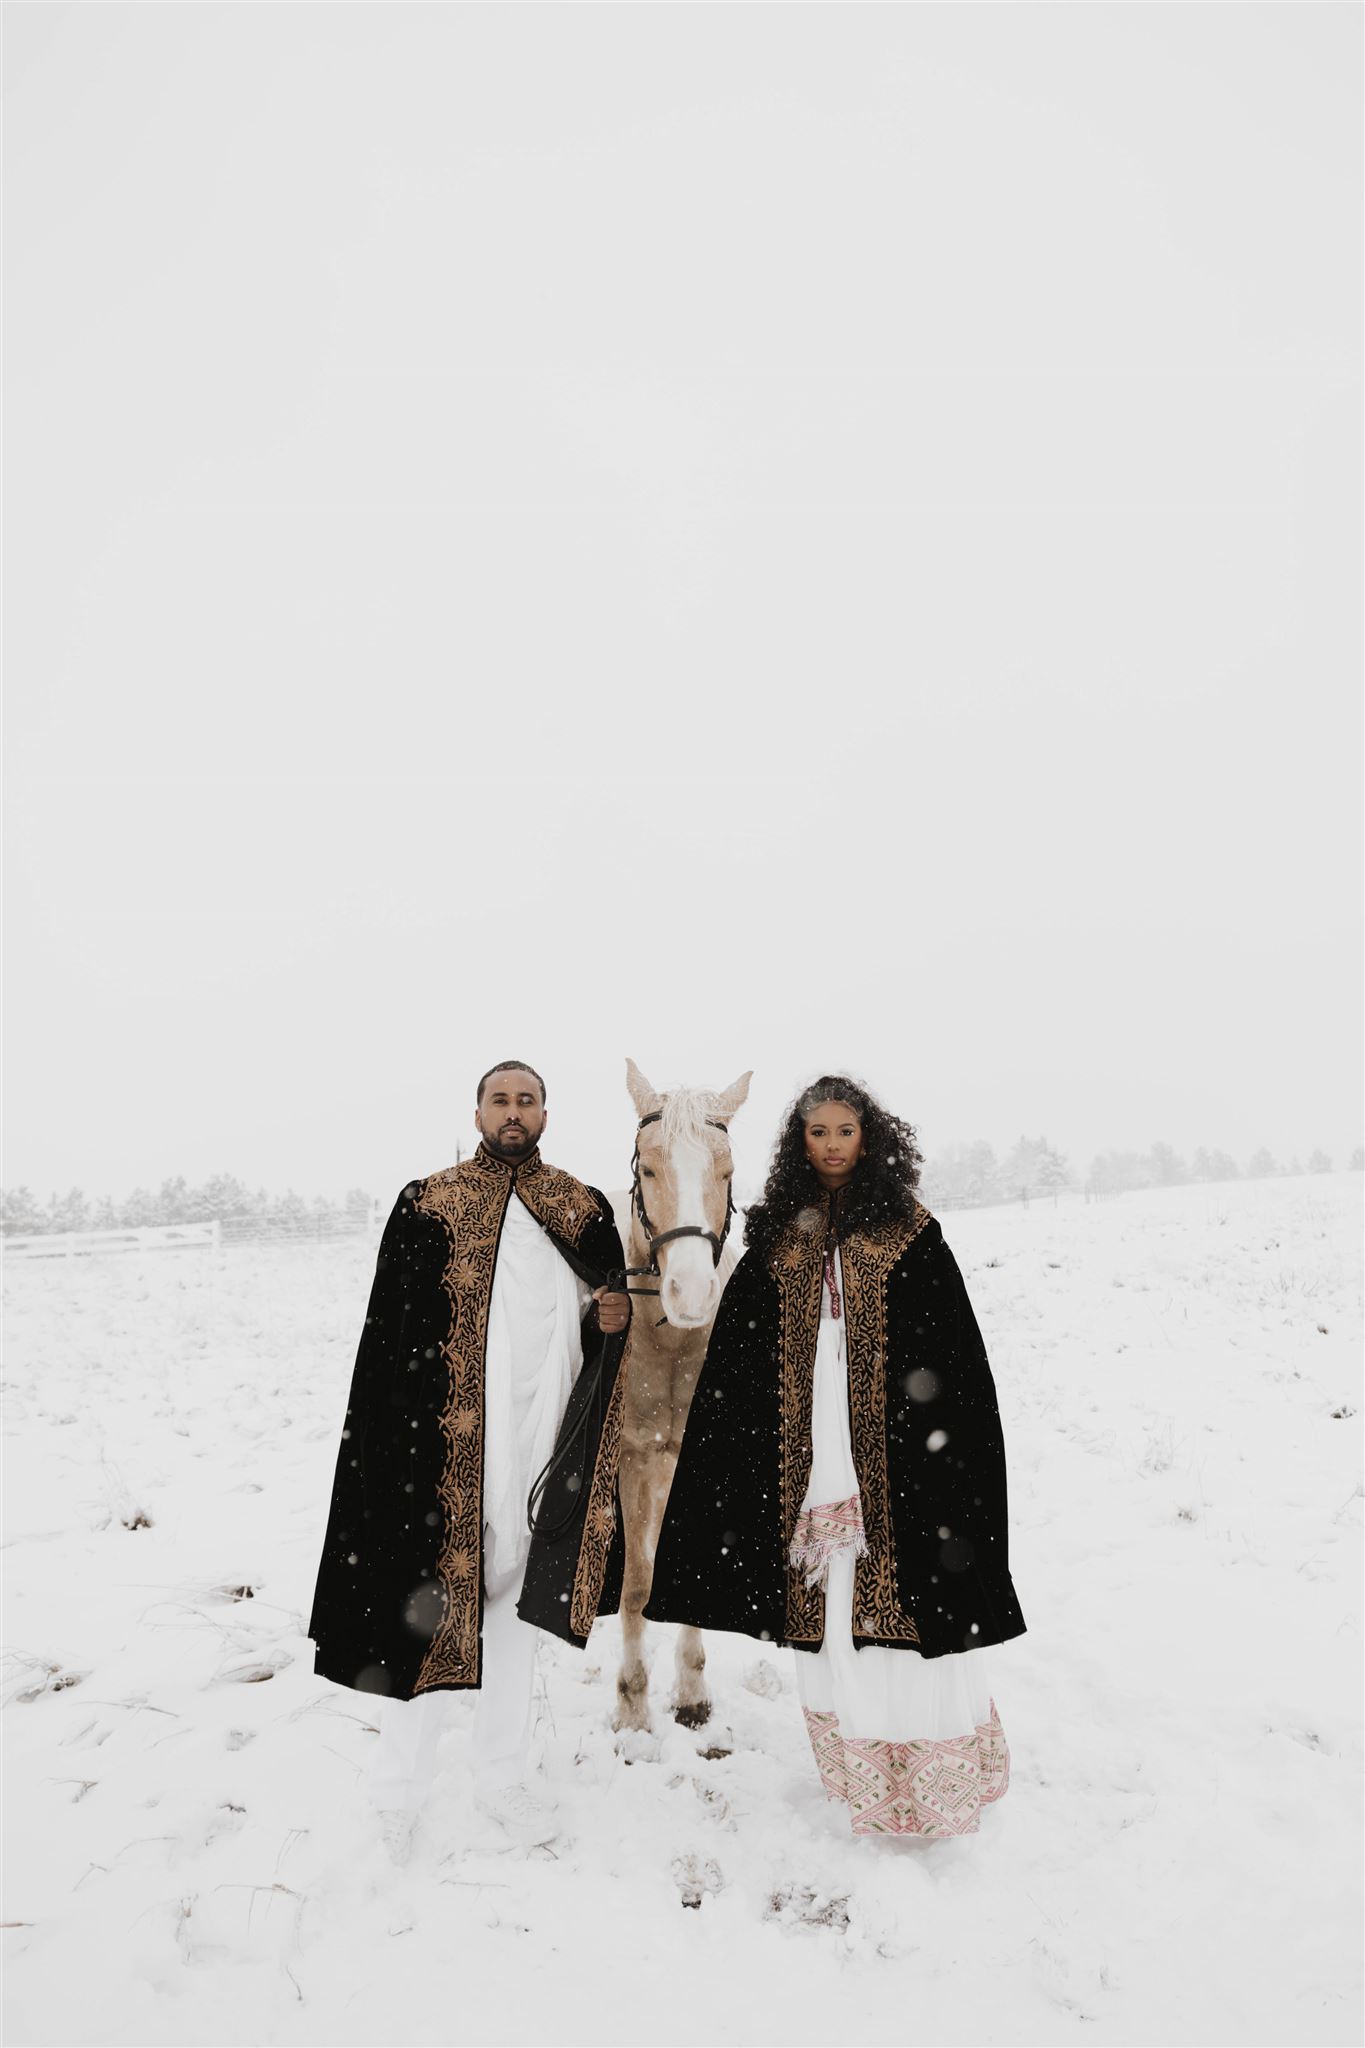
689, 1293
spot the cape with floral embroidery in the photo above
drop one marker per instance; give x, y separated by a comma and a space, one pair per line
927, 1444
398, 1605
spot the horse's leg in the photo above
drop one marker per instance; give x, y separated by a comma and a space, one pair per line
691, 1699
691, 1696
632, 1680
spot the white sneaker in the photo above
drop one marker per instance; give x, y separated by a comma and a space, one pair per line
520, 1814
398, 1824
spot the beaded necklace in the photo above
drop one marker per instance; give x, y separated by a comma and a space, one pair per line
832, 1282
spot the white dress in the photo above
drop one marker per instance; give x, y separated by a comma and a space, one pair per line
913, 1744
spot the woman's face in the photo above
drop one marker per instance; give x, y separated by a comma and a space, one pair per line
834, 1140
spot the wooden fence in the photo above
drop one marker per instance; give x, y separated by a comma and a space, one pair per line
77, 1244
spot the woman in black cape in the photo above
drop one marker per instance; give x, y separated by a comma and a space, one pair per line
841, 1485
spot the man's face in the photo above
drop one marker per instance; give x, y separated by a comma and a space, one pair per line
511, 1115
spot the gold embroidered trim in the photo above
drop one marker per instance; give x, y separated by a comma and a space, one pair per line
599, 1523
555, 1198
868, 1258
798, 1267
470, 1201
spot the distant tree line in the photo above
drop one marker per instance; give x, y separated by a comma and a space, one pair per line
240, 1213
957, 1176
968, 1176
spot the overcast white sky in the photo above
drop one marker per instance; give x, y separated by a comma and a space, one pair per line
761, 537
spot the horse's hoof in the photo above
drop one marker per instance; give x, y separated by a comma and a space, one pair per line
694, 1716
632, 1715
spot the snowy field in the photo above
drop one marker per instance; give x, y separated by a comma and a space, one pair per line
1177, 1859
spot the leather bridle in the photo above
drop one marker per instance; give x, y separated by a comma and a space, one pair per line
655, 1238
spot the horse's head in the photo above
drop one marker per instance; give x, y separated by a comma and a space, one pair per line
682, 1183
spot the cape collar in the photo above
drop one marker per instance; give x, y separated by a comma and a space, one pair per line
824, 1213
819, 1224
522, 1169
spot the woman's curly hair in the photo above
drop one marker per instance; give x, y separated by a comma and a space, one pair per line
883, 1182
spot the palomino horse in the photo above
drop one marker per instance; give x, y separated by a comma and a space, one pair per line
681, 1194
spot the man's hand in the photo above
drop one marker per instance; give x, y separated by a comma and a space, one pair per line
613, 1311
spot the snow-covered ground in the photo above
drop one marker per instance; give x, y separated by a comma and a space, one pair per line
1176, 1860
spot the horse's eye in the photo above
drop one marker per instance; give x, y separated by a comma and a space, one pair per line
647, 1173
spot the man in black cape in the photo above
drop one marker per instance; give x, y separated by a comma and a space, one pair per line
490, 1341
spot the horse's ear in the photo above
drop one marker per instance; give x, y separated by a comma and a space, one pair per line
643, 1093
733, 1097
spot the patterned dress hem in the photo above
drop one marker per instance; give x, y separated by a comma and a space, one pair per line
931, 1788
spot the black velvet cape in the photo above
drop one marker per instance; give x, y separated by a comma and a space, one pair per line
927, 1445
398, 1605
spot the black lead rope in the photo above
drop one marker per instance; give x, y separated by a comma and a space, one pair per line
592, 1409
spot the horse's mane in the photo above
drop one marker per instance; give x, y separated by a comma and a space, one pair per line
685, 1111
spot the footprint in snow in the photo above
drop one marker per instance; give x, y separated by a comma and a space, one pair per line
256, 1672
717, 1741
637, 1746
695, 1876
802, 1905
713, 1801
228, 1819
53, 1679
764, 1679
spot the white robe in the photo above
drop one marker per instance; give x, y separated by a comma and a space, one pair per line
533, 1355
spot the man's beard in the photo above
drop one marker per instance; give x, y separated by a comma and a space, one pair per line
510, 1148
